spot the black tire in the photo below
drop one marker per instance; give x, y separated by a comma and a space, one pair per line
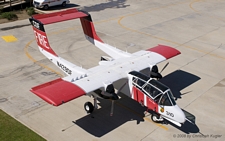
88, 107
155, 118
45, 7
64, 4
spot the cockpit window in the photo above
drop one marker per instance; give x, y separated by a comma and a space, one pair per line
138, 82
134, 80
152, 91
165, 101
171, 97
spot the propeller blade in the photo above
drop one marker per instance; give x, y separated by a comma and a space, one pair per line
112, 107
164, 67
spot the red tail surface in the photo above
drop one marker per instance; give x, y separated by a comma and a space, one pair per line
88, 28
38, 21
41, 36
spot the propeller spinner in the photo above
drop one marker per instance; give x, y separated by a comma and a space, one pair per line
154, 72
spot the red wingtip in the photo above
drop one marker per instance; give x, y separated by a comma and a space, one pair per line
58, 91
165, 51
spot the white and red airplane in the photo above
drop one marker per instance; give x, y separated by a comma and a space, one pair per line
121, 71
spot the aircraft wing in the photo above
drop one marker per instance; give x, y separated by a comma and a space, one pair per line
154, 55
62, 90
58, 91
81, 81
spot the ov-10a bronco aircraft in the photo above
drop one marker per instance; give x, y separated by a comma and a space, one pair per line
100, 81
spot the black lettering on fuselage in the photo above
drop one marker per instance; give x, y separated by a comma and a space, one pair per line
64, 68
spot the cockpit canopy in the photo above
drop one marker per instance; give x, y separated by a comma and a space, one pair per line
154, 89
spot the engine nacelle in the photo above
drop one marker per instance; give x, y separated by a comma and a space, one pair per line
107, 93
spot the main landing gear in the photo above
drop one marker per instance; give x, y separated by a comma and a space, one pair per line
89, 107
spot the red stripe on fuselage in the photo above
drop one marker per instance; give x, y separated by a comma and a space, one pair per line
138, 95
151, 104
165, 51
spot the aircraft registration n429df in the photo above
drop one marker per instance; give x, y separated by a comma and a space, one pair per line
120, 70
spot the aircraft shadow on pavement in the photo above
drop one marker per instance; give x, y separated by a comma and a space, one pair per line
179, 80
188, 126
59, 7
126, 109
93, 8
103, 6
100, 122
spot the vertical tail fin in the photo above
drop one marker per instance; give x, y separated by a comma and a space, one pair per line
91, 35
41, 37
88, 28
38, 22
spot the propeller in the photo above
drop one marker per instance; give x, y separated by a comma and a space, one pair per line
110, 89
114, 95
112, 107
154, 72
164, 67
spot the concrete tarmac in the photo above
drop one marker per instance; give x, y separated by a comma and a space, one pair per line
196, 77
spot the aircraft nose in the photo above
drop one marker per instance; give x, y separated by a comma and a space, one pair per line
180, 116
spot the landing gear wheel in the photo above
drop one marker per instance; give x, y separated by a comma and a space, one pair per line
64, 4
45, 7
88, 107
156, 118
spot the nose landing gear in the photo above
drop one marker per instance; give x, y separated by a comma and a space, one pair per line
156, 118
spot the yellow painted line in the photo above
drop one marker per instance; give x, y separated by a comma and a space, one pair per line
145, 118
40, 64
133, 30
190, 5
137, 31
163, 39
35, 61
9, 38
69, 29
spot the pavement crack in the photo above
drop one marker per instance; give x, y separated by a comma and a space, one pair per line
149, 133
13, 27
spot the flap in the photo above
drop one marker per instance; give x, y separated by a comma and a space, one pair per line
58, 91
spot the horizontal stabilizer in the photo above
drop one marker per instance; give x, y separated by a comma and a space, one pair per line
58, 91
59, 16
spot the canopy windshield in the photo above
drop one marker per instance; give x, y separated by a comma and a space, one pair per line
158, 85
167, 99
